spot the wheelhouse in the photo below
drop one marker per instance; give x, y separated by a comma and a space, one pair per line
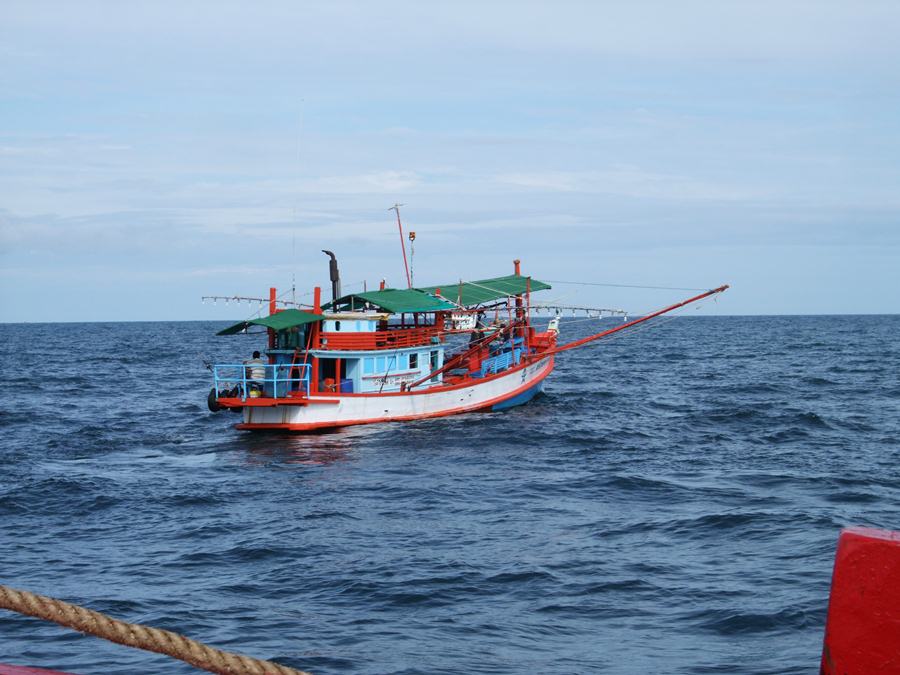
376, 342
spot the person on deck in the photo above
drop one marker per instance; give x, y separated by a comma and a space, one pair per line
255, 370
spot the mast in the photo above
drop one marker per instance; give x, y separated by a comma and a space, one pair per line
396, 207
273, 307
412, 255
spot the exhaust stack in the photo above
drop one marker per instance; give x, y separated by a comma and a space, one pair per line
335, 276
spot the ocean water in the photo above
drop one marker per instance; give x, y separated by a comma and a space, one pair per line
670, 504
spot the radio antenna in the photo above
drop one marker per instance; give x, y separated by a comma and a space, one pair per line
396, 207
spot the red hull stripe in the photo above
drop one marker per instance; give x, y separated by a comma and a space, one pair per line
404, 418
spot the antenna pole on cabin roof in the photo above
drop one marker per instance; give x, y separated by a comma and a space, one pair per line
396, 207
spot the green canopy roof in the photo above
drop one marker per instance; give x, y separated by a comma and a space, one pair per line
279, 321
393, 300
470, 293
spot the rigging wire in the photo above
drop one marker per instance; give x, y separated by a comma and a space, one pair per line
263, 302
652, 323
655, 322
597, 283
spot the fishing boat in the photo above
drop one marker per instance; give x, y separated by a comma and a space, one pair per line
397, 354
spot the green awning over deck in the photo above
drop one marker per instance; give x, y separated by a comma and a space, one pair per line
393, 300
469, 293
279, 321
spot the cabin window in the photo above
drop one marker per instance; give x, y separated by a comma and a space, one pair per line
369, 366
402, 362
413, 361
337, 325
379, 364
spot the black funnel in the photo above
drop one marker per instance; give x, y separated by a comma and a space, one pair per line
335, 276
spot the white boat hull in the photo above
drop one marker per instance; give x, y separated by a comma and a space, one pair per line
513, 387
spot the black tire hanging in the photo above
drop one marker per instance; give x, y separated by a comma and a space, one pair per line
212, 401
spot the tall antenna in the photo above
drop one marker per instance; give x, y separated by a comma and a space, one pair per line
412, 255
396, 207
297, 201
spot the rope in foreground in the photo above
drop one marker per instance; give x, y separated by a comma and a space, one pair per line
135, 635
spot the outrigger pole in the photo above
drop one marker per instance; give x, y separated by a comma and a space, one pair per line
564, 348
653, 315
396, 207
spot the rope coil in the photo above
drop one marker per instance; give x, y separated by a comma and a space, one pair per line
136, 635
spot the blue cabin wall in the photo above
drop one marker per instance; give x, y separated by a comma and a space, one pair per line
366, 369
395, 365
353, 371
349, 326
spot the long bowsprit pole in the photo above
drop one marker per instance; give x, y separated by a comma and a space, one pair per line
396, 207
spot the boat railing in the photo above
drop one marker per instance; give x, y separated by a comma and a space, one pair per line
501, 362
232, 380
393, 338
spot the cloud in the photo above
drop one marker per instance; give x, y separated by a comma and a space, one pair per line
376, 182
629, 181
207, 142
652, 28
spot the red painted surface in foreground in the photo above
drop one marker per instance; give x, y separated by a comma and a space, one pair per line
23, 670
862, 636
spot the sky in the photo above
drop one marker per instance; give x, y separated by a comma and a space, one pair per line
154, 153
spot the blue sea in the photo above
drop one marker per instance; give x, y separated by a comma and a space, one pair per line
670, 504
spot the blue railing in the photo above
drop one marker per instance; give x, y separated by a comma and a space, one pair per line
501, 362
231, 380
